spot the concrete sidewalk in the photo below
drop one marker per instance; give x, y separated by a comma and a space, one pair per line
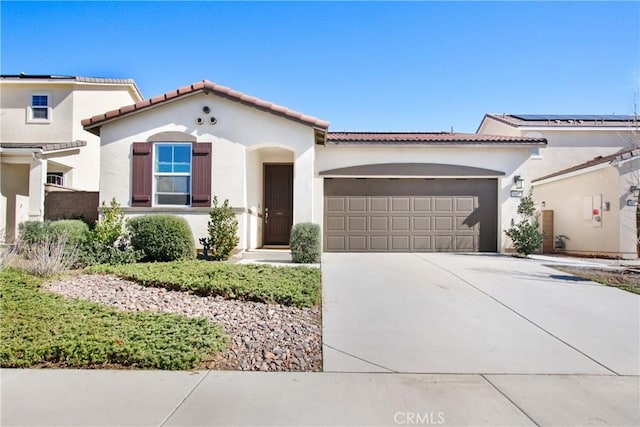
160, 398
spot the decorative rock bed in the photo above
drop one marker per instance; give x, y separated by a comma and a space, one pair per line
265, 337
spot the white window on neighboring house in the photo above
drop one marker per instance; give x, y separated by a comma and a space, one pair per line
40, 108
56, 178
172, 174
536, 153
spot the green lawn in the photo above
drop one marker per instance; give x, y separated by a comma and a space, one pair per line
43, 329
294, 286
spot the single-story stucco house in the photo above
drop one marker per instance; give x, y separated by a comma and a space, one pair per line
414, 191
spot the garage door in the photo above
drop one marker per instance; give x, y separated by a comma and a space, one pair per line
402, 215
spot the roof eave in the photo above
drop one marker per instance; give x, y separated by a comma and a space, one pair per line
203, 87
438, 144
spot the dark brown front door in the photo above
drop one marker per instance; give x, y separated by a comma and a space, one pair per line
278, 203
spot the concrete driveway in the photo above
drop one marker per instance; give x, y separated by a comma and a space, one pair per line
472, 313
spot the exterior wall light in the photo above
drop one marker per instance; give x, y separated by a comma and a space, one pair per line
518, 180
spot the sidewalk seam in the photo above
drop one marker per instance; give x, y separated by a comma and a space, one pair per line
509, 399
359, 358
519, 315
184, 399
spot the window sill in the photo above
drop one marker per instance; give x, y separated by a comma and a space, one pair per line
174, 209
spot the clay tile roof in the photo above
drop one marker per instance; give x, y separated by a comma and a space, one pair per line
44, 146
205, 86
426, 138
624, 154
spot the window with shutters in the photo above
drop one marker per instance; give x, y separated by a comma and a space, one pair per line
172, 174
168, 173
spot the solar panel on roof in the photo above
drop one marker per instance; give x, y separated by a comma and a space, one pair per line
575, 117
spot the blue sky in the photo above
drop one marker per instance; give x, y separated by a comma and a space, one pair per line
364, 66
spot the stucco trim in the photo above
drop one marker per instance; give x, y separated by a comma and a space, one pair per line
413, 170
174, 210
555, 178
172, 136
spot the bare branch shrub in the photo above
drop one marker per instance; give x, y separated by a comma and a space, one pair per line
47, 256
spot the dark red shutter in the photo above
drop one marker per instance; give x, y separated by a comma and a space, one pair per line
201, 175
142, 174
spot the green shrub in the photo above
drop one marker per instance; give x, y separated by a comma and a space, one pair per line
162, 237
525, 234
223, 232
305, 243
43, 329
109, 240
110, 227
293, 286
75, 231
96, 253
32, 231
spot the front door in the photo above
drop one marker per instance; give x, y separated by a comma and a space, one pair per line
278, 203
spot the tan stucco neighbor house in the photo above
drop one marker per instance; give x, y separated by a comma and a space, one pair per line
417, 191
42, 142
594, 204
581, 179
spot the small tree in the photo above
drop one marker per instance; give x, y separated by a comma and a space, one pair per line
223, 231
110, 226
109, 240
525, 234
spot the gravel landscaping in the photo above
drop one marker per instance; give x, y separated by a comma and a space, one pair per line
263, 337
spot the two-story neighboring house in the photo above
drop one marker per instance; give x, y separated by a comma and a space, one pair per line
42, 140
584, 180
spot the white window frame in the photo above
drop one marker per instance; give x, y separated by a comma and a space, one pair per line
536, 153
57, 174
154, 193
30, 108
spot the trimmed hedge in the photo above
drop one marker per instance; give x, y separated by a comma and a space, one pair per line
162, 237
305, 243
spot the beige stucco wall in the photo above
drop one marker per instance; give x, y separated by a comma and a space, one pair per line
14, 198
70, 103
243, 139
14, 118
510, 160
614, 235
